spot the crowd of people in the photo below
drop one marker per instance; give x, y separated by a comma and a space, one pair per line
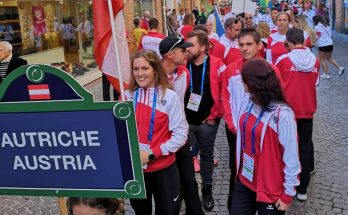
260, 77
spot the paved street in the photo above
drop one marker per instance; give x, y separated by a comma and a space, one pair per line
328, 191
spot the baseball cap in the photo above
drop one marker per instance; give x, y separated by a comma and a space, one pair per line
170, 43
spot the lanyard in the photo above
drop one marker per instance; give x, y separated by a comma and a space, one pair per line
253, 129
203, 76
154, 102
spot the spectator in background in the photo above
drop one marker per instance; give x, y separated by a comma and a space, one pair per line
145, 20
56, 25
86, 31
188, 24
180, 17
309, 13
172, 26
203, 16
195, 12
153, 38
266, 17
264, 31
257, 17
325, 46
211, 33
138, 32
301, 23
323, 11
248, 21
8, 62
272, 24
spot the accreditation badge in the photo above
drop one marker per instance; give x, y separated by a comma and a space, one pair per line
194, 102
145, 147
248, 167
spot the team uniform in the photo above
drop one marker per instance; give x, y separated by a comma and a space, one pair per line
324, 39
216, 49
267, 159
232, 52
272, 27
300, 74
151, 41
276, 48
165, 113
184, 30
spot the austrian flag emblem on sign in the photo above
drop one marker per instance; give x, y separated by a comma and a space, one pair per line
39, 92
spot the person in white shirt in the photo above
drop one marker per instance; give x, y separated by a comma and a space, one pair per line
309, 14
180, 16
325, 46
257, 17
211, 33
267, 17
85, 29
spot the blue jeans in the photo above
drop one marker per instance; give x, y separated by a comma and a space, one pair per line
204, 135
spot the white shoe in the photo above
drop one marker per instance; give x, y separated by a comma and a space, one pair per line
341, 70
301, 197
325, 76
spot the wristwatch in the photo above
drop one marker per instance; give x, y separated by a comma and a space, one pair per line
151, 157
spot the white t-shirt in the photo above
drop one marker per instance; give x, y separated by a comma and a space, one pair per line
323, 35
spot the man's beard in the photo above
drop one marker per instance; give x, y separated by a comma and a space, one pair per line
193, 57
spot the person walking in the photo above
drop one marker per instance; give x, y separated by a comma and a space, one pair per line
203, 107
325, 46
267, 147
152, 39
162, 131
300, 74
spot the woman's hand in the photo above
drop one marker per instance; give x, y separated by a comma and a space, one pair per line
144, 155
281, 206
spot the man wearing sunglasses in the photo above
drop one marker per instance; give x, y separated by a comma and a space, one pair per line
249, 21
174, 59
229, 40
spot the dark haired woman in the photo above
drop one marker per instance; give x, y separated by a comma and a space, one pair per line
267, 149
95, 206
325, 45
162, 130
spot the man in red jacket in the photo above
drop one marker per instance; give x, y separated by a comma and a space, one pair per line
233, 94
203, 107
299, 70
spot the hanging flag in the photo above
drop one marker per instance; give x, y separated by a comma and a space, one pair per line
104, 48
39, 92
218, 23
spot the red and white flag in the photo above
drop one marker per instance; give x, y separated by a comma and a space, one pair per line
39, 92
104, 50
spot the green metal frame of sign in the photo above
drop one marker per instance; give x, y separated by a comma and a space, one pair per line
122, 110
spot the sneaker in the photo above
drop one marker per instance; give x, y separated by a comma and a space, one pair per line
196, 165
312, 172
301, 197
341, 70
325, 76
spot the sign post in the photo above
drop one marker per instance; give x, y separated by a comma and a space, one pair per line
56, 141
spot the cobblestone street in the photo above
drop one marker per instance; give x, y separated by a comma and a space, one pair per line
328, 190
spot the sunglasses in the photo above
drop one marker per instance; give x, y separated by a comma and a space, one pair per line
178, 42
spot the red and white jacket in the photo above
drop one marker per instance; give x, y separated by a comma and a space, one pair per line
276, 160
216, 48
300, 74
170, 126
233, 95
276, 48
180, 82
184, 30
323, 35
151, 40
232, 52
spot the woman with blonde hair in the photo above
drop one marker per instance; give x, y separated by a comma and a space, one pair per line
264, 31
301, 23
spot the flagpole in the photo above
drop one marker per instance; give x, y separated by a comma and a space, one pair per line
118, 60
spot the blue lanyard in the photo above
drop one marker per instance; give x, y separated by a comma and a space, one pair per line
253, 129
154, 102
203, 76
